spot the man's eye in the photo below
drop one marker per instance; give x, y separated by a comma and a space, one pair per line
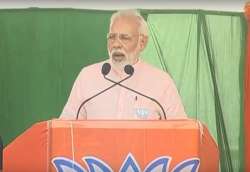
111, 37
125, 37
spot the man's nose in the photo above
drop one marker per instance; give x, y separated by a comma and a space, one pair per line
117, 43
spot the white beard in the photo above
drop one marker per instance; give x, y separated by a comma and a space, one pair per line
120, 58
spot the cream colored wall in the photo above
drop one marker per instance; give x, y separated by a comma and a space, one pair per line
236, 5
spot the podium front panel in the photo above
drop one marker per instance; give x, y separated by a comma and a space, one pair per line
111, 146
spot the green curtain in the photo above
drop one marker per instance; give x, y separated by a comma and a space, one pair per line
42, 51
204, 53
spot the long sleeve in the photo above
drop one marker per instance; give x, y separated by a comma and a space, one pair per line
75, 99
172, 103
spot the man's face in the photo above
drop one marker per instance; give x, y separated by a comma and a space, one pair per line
124, 41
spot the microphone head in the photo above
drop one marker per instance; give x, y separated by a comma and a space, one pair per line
106, 68
129, 69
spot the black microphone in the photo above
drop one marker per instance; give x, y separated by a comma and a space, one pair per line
106, 67
130, 70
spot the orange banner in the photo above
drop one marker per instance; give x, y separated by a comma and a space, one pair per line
247, 93
110, 146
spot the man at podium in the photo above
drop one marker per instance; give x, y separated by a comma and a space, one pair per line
124, 87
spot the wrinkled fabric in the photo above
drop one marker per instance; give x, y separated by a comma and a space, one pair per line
120, 103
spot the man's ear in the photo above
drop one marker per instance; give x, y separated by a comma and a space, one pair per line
143, 42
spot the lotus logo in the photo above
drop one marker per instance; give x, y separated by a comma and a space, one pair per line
160, 164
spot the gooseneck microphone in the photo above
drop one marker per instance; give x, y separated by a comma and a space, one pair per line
106, 67
130, 70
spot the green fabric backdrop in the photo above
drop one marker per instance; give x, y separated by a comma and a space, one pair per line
204, 52
42, 51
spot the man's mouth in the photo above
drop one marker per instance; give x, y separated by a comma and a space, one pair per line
118, 56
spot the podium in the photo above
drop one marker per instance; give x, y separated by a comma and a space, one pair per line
105, 146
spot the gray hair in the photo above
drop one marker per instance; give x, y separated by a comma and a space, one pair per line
143, 29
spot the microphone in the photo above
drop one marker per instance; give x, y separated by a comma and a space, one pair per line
128, 69
106, 67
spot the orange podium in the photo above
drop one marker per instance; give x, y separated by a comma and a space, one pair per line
112, 146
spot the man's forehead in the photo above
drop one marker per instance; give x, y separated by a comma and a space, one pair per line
126, 23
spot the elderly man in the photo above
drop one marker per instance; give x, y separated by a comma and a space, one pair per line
126, 39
